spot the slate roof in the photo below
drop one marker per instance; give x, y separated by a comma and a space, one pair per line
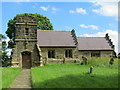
48, 38
93, 43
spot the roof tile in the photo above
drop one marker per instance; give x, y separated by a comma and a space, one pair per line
93, 43
55, 38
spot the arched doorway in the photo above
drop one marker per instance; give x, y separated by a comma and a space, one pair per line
26, 60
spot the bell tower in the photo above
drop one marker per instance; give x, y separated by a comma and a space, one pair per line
25, 53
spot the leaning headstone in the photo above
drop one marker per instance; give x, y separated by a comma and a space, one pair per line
84, 60
111, 61
91, 69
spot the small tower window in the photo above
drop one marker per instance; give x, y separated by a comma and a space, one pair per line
26, 31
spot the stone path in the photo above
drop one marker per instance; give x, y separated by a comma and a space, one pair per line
23, 80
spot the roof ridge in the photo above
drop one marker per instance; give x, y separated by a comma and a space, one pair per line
53, 30
90, 37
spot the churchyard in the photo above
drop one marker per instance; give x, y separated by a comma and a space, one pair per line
69, 75
8, 75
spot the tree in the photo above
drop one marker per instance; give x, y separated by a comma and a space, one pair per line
0, 48
43, 23
3, 53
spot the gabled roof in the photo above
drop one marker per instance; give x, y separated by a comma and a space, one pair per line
48, 38
93, 43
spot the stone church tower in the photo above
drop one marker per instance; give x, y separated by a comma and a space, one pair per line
25, 53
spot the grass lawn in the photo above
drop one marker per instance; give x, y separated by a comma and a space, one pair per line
9, 75
73, 75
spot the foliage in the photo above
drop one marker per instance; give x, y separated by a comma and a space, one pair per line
1, 43
73, 75
4, 59
43, 23
9, 75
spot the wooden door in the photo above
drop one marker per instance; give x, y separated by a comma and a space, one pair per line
26, 60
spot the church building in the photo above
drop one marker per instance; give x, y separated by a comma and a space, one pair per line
33, 47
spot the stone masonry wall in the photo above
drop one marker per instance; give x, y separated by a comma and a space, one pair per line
60, 53
25, 42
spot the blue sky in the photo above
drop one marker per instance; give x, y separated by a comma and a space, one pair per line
87, 18
61, 19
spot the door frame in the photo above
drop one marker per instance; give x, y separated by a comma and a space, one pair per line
30, 58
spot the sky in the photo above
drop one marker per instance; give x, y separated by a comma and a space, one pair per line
90, 19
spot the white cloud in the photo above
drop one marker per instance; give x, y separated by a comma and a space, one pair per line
89, 26
54, 9
44, 8
93, 27
83, 26
72, 11
106, 8
15, 0
27, 0
81, 10
78, 10
67, 27
113, 36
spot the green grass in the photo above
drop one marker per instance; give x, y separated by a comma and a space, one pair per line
73, 75
9, 75
102, 62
